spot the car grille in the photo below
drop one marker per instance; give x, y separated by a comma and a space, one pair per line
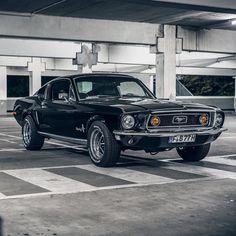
171, 120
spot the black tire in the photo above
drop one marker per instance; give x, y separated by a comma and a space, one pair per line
105, 153
195, 153
31, 139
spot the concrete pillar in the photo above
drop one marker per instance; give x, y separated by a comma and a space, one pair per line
35, 67
166, 63
3, 90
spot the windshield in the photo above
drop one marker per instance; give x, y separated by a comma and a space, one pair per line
101, 86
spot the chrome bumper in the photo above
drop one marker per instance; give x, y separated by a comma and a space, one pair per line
168, 134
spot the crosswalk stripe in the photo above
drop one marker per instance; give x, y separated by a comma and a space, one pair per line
49, 181
194, 169
127, 174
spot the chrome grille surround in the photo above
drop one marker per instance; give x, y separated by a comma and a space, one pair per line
181, 127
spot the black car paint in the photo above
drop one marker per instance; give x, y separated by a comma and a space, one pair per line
73, 118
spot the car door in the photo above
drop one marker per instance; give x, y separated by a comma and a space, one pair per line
57, 111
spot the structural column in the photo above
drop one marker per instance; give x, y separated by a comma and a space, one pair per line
3, 90
35, 67
166, 64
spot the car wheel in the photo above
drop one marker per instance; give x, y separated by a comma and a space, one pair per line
104, 150
195, 153
31, 139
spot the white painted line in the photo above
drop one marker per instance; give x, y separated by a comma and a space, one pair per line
11, 136
7, 141
228, 137
127, 174
12, 150
2, 196
49, 181
101, 188
222, 159
201, 170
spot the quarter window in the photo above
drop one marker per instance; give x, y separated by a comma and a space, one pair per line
60, 90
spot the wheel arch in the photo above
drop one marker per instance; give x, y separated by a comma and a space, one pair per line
92, 119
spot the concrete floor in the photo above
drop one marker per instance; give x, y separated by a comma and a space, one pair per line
57, 191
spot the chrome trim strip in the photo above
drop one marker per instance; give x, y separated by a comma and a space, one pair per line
168, 134
181, 110
180, 128
63, 138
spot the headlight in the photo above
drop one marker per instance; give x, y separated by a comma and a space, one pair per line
203, 119
128, 122
219, 120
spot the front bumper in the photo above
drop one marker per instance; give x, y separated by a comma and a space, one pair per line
157, 141
169, 134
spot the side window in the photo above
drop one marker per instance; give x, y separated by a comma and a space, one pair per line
60, 90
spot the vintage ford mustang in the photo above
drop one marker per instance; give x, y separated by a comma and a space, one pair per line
112, 112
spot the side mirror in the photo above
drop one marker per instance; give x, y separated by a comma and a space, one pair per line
64, 96
40, 97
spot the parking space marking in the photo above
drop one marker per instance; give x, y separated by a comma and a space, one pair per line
49, 181
10, 136
7, 141
89, 177
159, 169
11, 185
12, 149
127, 174
195, 169
223, 159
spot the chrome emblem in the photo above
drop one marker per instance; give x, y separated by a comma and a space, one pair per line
180, 120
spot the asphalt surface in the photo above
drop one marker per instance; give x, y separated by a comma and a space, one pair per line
57, 191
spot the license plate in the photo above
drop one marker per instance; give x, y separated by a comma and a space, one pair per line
190, 138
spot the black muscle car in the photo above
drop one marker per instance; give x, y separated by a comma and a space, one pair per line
113, 112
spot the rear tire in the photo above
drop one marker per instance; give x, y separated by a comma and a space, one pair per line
31, 139
104, 150
195, 153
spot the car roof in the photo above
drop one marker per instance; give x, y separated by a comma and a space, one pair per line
98, 75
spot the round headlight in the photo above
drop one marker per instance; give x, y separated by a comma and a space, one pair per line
155, 120
219, 120
128, 122
203, 119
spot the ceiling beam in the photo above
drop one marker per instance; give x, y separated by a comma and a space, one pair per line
214, 40
77, 29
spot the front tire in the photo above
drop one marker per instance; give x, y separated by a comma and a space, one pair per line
195, 153
104, 150
31, 139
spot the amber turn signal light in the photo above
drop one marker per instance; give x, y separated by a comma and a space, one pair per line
155, 121
203, 119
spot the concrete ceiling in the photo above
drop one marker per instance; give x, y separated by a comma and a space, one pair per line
192, 13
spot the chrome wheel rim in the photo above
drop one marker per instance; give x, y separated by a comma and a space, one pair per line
97, 145
26, 133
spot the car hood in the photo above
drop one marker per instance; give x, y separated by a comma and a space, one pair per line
148, 105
